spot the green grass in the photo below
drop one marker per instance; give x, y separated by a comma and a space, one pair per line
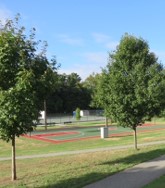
26, 146
74, 124
158, 120
158, 183
74, 171
154, 120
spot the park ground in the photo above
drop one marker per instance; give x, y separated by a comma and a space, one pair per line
77, 170
74, 134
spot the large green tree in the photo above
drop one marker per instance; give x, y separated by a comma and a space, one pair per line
90, 84
70, 93
49, 84
21, 83
131, 88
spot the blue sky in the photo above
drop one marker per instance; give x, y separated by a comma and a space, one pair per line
80, 33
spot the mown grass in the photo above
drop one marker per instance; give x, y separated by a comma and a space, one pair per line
158, 120
73, 124
158, 183
26, 146
92, 123
74, 170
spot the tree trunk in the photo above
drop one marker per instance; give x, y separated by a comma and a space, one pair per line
45, 115
135, 138
13, 159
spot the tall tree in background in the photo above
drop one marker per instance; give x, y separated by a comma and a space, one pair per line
132, 86
21, 83
91, 81
90, 84
50, 84
70, 93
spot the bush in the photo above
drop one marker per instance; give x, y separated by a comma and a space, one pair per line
78, 116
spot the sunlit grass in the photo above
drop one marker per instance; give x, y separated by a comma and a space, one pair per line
74, 170
158, 183
26, 146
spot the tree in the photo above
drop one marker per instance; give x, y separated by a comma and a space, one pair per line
131, 88
21, 83
49, 81
91, 81
69, 94
78, 116
90, 84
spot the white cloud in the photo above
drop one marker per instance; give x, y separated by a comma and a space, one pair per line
4, 14
105, 40
100, 38
112, 45
90, 62
71, 41
160, 55
82, 70
96, 57
93, 62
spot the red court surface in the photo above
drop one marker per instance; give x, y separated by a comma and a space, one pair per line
61, 136
45, 137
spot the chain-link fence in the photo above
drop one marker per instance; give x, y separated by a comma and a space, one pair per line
63, 118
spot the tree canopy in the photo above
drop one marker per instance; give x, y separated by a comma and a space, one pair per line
22, 83
70, 93
132, 86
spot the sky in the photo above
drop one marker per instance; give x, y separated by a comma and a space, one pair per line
81, 33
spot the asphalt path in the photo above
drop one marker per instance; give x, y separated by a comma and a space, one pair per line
135, 177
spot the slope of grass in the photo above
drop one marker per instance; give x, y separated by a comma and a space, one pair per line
74, 171
158, 183
26, 146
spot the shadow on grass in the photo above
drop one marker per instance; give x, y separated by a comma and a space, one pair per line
78, 182
138, 157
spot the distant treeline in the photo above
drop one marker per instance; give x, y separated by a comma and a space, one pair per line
70, 93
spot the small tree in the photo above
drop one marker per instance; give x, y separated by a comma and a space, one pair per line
78, 116
132, 87
21, 84
49, 82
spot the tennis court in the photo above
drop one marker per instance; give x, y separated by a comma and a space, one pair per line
74, 134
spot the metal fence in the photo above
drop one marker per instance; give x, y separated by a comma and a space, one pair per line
63, 118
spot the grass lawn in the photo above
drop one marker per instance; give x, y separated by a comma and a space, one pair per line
73, 124
74, 170
158, 183
94, 123
26, 146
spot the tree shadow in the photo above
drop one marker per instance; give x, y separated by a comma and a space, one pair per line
81, 181
137, 157
78, 182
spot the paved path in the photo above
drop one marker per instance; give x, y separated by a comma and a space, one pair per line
80, 151
135, 177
